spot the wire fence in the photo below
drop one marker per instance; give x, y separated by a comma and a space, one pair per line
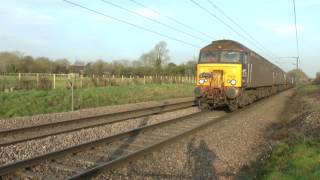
43, 81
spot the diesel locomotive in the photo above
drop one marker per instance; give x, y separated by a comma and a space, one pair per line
230, 74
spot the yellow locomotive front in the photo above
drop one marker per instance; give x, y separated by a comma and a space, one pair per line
219, 75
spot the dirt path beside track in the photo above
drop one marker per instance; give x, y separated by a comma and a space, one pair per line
217, 152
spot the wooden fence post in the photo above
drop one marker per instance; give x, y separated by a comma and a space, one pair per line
98, 81
81, 80
72, 97
54, 81
37, 80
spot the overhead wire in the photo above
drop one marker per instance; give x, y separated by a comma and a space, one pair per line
240, 27
226, 24
219, 19
131, 24
172, 19
178, 22
153, 20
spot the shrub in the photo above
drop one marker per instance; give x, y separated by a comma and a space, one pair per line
44, 84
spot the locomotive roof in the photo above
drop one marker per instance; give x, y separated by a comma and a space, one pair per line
225, 45
230, 45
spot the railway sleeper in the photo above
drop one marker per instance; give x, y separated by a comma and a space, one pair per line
83, 160
27, 174
118, 154
150, 138
161, 134
145, 141
174, 130
178, 128
158, 136
66, 168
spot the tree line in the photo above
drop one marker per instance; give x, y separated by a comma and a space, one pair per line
156, 61
317, 79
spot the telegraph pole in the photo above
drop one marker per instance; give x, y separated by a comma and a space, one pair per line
296, 28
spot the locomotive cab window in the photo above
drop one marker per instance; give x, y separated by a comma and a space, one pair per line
209, 57
221, 56
230, 57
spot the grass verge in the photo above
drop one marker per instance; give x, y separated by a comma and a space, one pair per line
32, 102
295, 140
300, 160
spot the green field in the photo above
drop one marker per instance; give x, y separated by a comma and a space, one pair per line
22, 81
61, 81
32, 102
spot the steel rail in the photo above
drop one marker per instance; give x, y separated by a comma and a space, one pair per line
188, 125
17, 135
113, 164
28, 163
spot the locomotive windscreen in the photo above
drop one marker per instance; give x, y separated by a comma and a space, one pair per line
220, 56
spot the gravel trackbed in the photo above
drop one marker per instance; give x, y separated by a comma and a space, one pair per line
218, 152
24, 150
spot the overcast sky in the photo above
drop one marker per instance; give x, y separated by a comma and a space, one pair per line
56, 29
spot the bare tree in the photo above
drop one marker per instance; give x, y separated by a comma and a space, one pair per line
162, 54
317, 80
157, 57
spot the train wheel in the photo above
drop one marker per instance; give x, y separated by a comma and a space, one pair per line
252, 98
210, 107
243, 100
202, 103
233, 105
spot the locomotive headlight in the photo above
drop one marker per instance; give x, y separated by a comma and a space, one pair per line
201, 81
233, 82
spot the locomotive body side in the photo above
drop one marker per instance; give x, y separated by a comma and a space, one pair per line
263, 73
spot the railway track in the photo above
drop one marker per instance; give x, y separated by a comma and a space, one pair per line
12, 136
91, 158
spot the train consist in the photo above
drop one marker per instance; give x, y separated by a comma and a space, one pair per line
228, 73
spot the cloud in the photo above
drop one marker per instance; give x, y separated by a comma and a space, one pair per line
288, 29
299, 4
308, 3
16, 41
23, 15
103, 19
148, 13
280, 28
